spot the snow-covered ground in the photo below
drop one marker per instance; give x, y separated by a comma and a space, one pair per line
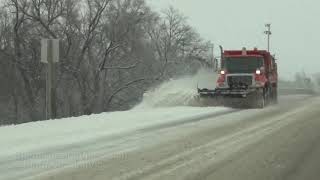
168, 102
42, 146
36, 142
46, 134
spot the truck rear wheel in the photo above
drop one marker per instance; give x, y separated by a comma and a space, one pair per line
275, 98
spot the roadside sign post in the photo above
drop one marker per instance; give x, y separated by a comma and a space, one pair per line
50, 56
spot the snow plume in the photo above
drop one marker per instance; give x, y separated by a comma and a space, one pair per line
179, 92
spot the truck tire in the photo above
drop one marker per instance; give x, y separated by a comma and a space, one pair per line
275, 96
260, 100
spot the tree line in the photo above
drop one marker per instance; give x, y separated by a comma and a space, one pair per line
111, 51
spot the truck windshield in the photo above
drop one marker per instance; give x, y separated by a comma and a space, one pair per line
243, 64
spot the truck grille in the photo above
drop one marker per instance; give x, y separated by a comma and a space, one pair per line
239, 81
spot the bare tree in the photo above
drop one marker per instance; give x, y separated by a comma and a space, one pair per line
174, 40
111, 51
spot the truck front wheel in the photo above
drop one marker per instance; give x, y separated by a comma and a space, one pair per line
260, 100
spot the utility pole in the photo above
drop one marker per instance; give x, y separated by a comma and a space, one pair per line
268, 33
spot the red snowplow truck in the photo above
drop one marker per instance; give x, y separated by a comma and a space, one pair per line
247, 78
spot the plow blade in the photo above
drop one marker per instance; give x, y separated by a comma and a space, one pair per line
244, 98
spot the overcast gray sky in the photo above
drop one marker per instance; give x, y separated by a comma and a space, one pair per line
238, 23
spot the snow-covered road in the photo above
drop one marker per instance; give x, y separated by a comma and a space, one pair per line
198, 149
39, 148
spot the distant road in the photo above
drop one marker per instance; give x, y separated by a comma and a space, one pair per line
281, 142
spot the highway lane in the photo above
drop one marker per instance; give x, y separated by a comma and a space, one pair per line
280, 142
291, 153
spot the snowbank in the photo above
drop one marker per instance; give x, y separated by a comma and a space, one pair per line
35, 136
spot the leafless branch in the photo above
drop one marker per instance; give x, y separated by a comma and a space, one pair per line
115, 93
